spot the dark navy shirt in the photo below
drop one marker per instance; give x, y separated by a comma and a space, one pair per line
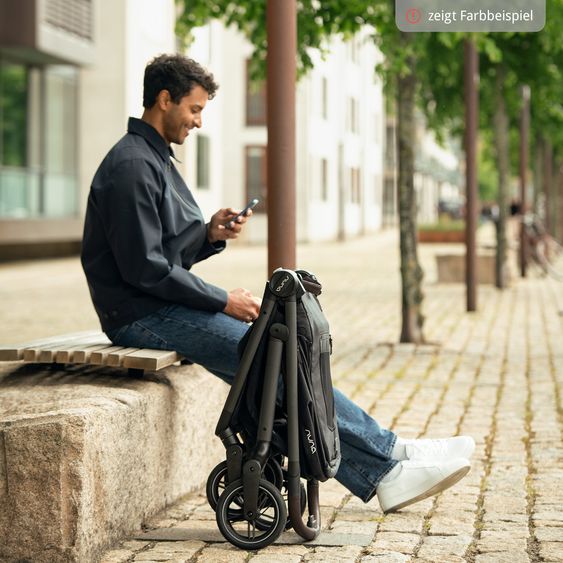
143, 232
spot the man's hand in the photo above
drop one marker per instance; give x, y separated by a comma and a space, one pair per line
242, 305
216, 229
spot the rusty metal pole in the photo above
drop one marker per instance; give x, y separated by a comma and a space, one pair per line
281, 25
471, 83
524, 148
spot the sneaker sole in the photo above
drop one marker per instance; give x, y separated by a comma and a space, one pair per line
438, 488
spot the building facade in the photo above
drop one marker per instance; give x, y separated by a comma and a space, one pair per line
71, 74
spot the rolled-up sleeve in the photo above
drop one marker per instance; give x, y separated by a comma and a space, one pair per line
129, 208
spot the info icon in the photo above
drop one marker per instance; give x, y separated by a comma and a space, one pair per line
413, 16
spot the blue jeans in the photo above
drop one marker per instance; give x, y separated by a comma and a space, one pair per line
211, 340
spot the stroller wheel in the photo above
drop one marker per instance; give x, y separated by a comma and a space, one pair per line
216, 484
272, 516
273, 472
217, 480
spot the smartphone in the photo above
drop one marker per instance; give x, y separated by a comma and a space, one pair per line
251, 205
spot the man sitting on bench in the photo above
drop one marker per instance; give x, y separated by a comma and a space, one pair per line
143, 233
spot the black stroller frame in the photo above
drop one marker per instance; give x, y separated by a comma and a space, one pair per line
252, 477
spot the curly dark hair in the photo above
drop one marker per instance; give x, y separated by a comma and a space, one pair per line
178, 75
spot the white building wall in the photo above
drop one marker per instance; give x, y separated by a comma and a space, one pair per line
128, 34
316, 138
131, 32
331, 139
430, 188
149, 26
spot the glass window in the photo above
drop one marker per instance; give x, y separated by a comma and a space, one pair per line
17, 193
355, 194
353, 115
324, 94
324, 179
60, 149
202, 162
354, 49
38, 140
13, 114
256, 170
255, 101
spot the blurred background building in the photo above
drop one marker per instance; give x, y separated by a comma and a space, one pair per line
71, 73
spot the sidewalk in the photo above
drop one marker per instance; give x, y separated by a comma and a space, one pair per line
496, 375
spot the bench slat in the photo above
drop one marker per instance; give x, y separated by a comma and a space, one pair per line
115, 359
100, 357
151, 359
83, 356
32, 354
65, 354
62, 354
16, 351
88, 347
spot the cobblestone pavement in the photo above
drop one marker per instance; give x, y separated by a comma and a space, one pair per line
495, 375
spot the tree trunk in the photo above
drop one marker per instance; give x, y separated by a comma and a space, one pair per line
411, 272
548, 185
502, 157
538, 174
558, 180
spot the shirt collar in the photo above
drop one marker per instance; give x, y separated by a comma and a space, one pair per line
144, 129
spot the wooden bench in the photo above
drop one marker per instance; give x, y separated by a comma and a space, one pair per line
91, 347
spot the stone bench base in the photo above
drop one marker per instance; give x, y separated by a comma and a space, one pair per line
88, 453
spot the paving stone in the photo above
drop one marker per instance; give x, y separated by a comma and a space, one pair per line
510, 556
395, 541
179, 546
344, 554
549, 534
222, 554
354, 527
448, 524
154, 555
444, 546
405, 522
437, 558
134, 545
506, 517
552, 515
117, 556
547, 523
276, 558
383, 556
507, 503
551, 551
499, 542
159, 522
285, 550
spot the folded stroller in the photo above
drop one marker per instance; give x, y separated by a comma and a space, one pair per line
278, 424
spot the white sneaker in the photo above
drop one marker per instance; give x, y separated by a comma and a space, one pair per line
420, 479
442, 449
